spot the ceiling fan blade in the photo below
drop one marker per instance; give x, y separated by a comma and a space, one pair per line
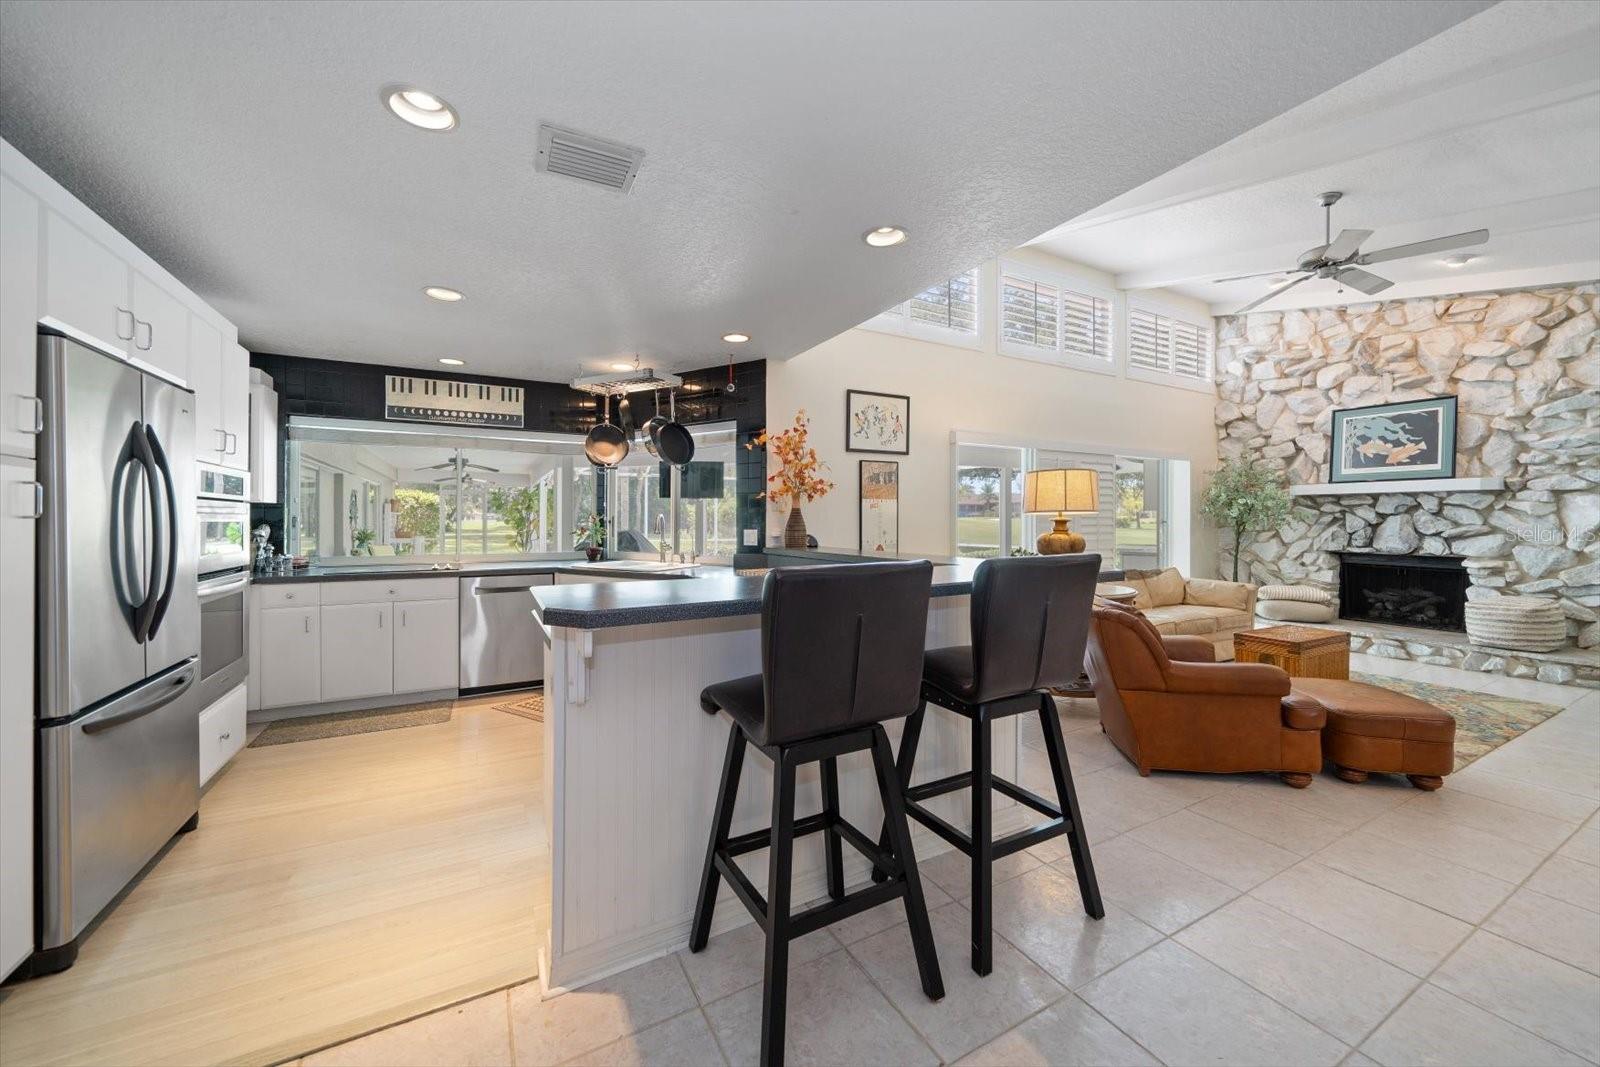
1423, 248
1280, 289
1344, 246
1365, 280
1247, 277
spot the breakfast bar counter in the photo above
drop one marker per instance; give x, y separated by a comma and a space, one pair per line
631, 762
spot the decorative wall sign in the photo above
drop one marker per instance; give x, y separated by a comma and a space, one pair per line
880, 507
1388, 442
412, 399
877, 422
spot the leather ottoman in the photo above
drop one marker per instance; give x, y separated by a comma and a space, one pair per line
1370, 729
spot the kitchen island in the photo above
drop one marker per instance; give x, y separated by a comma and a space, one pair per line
631, 762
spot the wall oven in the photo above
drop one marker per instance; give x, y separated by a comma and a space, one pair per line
222, 509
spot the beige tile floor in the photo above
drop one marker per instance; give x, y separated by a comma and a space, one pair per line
1246, 923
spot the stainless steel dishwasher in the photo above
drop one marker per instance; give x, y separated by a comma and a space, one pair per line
502, 646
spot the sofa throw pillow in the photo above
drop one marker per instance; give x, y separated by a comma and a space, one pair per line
1166, 587
1305, 593
1212, 593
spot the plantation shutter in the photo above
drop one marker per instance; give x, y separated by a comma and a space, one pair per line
1164, 345
1085, 326
1028, 312
951, 305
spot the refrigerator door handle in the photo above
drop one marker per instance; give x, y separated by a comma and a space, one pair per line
151, 698
160, 456
145, 614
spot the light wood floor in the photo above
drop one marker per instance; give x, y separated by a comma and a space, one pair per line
334, 886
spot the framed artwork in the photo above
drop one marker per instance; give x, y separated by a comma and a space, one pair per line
877, 422
1389, 442
880, 507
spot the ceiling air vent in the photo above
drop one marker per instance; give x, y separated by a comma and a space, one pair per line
589, 159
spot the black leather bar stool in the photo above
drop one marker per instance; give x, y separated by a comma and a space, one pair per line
841, 652
1030, 623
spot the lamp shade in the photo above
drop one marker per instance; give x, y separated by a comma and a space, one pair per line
1061, 491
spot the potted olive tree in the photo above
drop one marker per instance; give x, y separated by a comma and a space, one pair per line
1245, 496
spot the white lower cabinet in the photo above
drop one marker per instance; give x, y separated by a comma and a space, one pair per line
221, 732
426, 646
291, 656
18, 507
357, 650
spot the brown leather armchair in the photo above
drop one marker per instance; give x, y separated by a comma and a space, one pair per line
1167, 706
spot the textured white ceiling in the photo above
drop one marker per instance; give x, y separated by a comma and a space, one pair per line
244, 145
1493, 123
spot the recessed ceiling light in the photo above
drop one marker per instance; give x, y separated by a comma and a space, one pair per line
420, 108
439, 292
736, 338
1458, 261
622, 366
450, 361
884, 236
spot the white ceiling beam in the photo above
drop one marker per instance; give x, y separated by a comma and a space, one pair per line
1550, 80
1442, 285
1538, 213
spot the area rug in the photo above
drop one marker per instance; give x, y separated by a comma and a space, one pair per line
529, 707
1484, 721
345, 723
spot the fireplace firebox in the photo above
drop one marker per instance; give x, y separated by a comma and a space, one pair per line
1426, 591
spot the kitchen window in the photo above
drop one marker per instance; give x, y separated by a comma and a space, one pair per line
947, 313
691, 509
372, 490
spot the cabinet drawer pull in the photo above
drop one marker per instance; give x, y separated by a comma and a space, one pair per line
224, 737
288, 596
402, 618
233, 442
132, 322
380, 620
307, 621
30, 500
149, 335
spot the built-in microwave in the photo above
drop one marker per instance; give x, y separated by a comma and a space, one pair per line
222, 509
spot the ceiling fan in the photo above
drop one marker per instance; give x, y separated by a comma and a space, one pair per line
1341, 258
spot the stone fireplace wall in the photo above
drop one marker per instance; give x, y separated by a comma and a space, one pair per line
1526, 368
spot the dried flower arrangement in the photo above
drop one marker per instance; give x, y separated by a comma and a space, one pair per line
798, 477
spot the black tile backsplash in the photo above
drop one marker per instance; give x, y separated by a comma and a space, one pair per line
333, 389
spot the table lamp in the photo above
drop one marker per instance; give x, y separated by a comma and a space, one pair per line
1062, 492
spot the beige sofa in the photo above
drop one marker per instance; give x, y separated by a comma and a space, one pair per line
1203, 607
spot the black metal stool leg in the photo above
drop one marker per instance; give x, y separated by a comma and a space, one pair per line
899, 831
1067, 797
775, 993
909, 736
834, 844
982, 845
710, 878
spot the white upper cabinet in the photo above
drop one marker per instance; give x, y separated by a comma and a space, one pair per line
205, 378
20, 411
235, 405
99, 287
86, 286
160, 328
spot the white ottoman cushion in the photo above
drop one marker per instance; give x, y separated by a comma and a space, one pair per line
1293, 611
1307, 594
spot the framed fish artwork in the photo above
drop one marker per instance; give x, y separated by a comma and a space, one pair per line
1393, 442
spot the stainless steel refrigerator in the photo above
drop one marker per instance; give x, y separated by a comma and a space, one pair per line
118, 634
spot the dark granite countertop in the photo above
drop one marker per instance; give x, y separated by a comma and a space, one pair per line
384, 571
717, 596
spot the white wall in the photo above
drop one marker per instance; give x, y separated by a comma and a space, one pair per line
985, 396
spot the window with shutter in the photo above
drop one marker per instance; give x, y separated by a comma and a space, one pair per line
1162, 346
1058, 320
947, 312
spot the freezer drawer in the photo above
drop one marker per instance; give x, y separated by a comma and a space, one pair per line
501, 642
118, 782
